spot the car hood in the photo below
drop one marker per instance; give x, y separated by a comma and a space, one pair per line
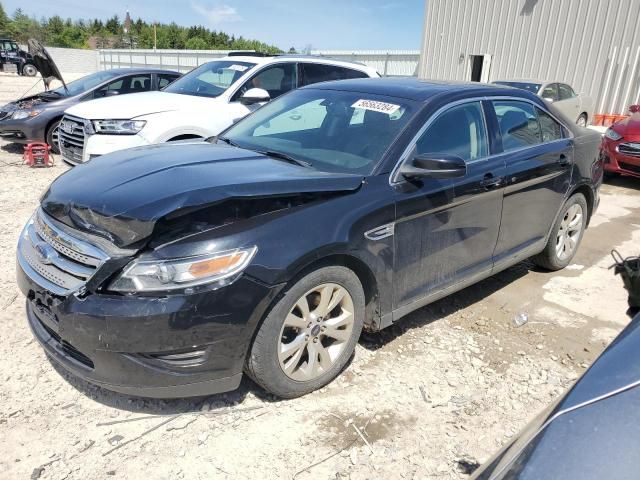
629, 127
121, 196
43, 61
135, 105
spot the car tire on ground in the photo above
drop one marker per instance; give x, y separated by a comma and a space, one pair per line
566, 235
29, 70
310, 334
581, 121
52, 137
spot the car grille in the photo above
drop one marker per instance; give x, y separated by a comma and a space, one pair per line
71, 136
629, 167
631, 149
54, 259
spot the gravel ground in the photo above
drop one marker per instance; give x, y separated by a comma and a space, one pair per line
445, 387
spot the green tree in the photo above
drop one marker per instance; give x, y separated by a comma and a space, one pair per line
6, 29
196, 43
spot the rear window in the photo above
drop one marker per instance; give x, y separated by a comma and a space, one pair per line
529, 87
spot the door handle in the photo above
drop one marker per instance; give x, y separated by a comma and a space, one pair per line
490, 182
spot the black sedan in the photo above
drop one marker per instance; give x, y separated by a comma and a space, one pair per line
172, 269
37, 117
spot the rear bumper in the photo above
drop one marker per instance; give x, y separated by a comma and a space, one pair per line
179, 346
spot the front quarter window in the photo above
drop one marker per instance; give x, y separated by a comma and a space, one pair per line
337, 131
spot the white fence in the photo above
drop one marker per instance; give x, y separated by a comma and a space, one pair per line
387, 62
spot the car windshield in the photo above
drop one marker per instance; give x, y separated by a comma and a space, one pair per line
210, 79
331, 130
85, 83
530, 87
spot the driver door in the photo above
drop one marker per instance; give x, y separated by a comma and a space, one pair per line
275, 79
446, 229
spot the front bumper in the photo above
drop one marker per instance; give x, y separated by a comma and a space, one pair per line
162, 347
21, 131
96, 145
616, 162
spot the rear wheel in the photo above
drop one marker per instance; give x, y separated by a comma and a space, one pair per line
29, 70
310, 334
566, 235
582, 120
53, 137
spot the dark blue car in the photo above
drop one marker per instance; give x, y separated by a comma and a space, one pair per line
170, 270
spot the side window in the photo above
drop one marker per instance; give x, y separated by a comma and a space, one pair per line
519, 125
317, 72
566, 92
165, 79
114, 86
459, 131
550, 92
138, 83
551, 130
276, 80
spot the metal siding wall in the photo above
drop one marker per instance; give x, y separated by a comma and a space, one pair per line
572, 41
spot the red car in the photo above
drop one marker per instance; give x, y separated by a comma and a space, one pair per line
620, 149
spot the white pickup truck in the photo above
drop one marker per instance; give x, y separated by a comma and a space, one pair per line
200, 104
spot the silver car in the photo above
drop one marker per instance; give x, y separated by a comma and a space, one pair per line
575, 106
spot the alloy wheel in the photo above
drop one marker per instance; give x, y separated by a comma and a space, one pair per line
569, 232
582, 121
315, 332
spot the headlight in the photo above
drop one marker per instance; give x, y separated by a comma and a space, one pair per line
158, 275
612, 134
118, 127
20, 114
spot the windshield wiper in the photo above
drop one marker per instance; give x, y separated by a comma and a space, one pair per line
228, 141
285, 157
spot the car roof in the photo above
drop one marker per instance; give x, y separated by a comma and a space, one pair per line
124, 71
417, 89
300, 58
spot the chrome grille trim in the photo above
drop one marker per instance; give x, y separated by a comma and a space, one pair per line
632, 149
72, 143
54, 259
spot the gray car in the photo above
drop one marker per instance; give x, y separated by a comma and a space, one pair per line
36, 118
577, 107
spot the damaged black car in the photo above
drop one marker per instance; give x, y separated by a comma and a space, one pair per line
171, 270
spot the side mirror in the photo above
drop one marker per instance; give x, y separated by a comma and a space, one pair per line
254, 95
111, 93
634, 108
434, 165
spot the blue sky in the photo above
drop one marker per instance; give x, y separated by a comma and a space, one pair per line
326, 24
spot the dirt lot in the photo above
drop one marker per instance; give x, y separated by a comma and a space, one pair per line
449, 384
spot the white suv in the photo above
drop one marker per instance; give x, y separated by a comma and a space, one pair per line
200, 104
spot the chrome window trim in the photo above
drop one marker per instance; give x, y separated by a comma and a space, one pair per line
393, 180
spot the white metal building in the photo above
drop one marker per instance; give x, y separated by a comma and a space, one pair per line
593, 45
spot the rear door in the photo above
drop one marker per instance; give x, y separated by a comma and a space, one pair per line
446, 230
538, 154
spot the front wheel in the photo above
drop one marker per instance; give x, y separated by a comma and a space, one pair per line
310, 334
29, 70
566, 235
53, 134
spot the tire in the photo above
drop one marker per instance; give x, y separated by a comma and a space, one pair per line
581, 121
52, 137
557, 255
280, 355
29, 70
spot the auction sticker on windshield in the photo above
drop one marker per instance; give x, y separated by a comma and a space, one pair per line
376, 106
238, 68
